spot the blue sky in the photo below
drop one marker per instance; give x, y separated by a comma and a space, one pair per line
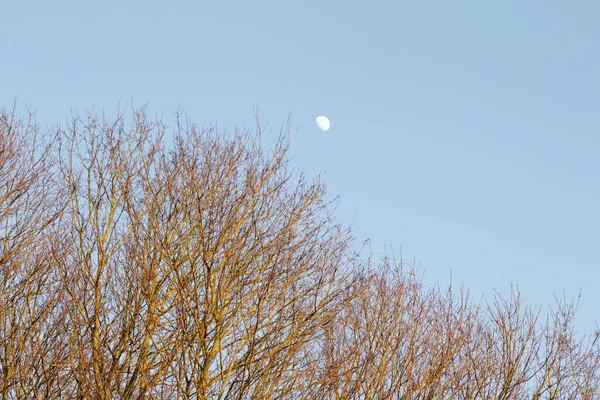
466, 133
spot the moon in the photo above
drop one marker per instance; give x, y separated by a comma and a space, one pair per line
323, 123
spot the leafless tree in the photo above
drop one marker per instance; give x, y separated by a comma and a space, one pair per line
397, 339
139, 261
29, 206
204, 270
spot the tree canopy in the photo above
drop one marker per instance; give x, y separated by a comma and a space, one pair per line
203, 267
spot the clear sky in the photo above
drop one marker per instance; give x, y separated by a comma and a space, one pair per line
465, 132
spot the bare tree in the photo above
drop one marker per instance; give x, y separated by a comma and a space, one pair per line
28, 208
397, 339
138, 262
394, 339
206, 268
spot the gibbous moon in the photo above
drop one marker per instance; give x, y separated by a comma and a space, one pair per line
323, 123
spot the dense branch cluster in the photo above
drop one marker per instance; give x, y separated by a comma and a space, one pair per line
201, 267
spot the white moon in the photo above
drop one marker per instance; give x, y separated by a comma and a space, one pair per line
323, 123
